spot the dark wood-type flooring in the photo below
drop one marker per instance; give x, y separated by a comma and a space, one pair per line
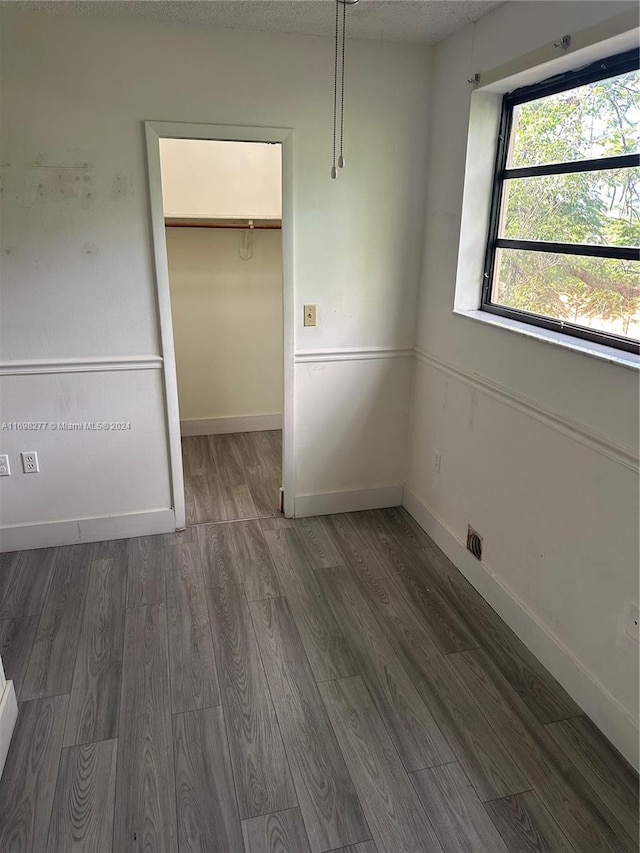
269, 685
232, 476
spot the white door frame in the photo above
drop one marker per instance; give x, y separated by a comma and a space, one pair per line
154, 131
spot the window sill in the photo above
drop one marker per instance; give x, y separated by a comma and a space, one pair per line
599, 351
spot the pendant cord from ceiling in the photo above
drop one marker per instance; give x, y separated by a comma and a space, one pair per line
341, 161
334, 172
344, 30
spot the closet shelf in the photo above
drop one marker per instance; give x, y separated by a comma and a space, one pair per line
241, 224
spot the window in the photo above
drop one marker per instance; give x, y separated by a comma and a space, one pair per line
565, 217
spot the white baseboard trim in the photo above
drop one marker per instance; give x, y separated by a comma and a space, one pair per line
351, 501
584, 687
8, 717
24, 537
220, 426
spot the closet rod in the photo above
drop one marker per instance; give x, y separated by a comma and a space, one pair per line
256, 225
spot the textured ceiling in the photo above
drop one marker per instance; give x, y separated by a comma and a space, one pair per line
425, 21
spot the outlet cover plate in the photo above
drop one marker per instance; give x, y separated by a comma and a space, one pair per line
30, 462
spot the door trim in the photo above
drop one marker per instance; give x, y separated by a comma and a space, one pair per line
154, 131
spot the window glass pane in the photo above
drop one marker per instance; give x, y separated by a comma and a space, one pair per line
601, 119
598, 293
600, 208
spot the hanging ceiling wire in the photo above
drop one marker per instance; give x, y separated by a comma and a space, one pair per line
341, 160
344, 36
334, 173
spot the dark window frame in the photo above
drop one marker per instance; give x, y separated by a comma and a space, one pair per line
600, 70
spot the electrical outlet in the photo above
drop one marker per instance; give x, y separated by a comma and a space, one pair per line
311, 315
631, 622
5, 468
30, 462
436, 462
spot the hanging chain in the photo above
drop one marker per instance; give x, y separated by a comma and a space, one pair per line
344, 28
345, 3
334, 173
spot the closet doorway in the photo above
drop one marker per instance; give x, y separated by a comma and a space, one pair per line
220, 212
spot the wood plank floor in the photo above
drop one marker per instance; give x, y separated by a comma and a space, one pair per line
233, 476
323, 684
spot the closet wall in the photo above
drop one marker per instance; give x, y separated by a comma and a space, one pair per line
226, 284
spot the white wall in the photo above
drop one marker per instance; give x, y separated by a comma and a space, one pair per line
207, 178
227, 322
535, 440
77, 269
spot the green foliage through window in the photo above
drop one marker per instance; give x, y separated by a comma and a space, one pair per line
553, 190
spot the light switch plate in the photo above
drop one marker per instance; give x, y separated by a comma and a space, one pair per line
5, 468
310, 315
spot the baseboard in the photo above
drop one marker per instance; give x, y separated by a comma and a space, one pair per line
351, 501
590, 694
24, 537
220, 426
8, 717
